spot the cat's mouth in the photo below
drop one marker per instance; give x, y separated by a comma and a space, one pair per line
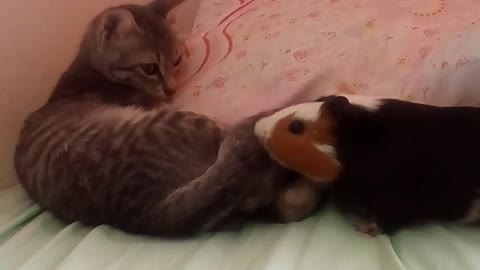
178, 62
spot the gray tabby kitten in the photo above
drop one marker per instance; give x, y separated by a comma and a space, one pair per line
103, 150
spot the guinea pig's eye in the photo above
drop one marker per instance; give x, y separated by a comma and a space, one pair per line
296, 127
149, 69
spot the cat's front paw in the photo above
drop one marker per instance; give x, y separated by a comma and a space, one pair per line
298, 201
368, 227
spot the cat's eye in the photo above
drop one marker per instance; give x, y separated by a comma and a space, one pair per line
149, 69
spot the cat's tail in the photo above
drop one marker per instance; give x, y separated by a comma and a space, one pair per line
236, 186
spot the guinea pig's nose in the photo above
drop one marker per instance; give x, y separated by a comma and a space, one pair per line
296, 127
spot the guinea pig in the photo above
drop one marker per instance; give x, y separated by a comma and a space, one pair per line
391, 163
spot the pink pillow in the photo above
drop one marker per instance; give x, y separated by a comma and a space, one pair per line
251, 55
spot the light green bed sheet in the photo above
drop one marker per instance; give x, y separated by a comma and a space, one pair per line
34, 240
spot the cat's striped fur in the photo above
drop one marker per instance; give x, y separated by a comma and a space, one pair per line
153, 172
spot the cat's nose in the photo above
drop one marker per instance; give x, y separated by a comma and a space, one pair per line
169, 91
178, 61
169, 86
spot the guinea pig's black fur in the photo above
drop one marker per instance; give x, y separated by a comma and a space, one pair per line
406, 162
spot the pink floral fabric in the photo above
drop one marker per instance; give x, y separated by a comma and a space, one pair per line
252, 55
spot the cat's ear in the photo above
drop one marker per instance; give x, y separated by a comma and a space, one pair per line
116, 24
167, 9
163, 7
179, 14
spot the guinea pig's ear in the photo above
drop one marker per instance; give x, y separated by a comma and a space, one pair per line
336, 106
323, 98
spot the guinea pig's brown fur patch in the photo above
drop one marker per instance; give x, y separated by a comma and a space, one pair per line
299, 152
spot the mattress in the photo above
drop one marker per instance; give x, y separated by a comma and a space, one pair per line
36, 240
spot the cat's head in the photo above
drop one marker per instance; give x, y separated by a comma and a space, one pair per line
135, 45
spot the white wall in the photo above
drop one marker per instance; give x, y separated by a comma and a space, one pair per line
38, 39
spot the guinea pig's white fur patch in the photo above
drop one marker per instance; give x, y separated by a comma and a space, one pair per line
366, 102
307, 111
327, 149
